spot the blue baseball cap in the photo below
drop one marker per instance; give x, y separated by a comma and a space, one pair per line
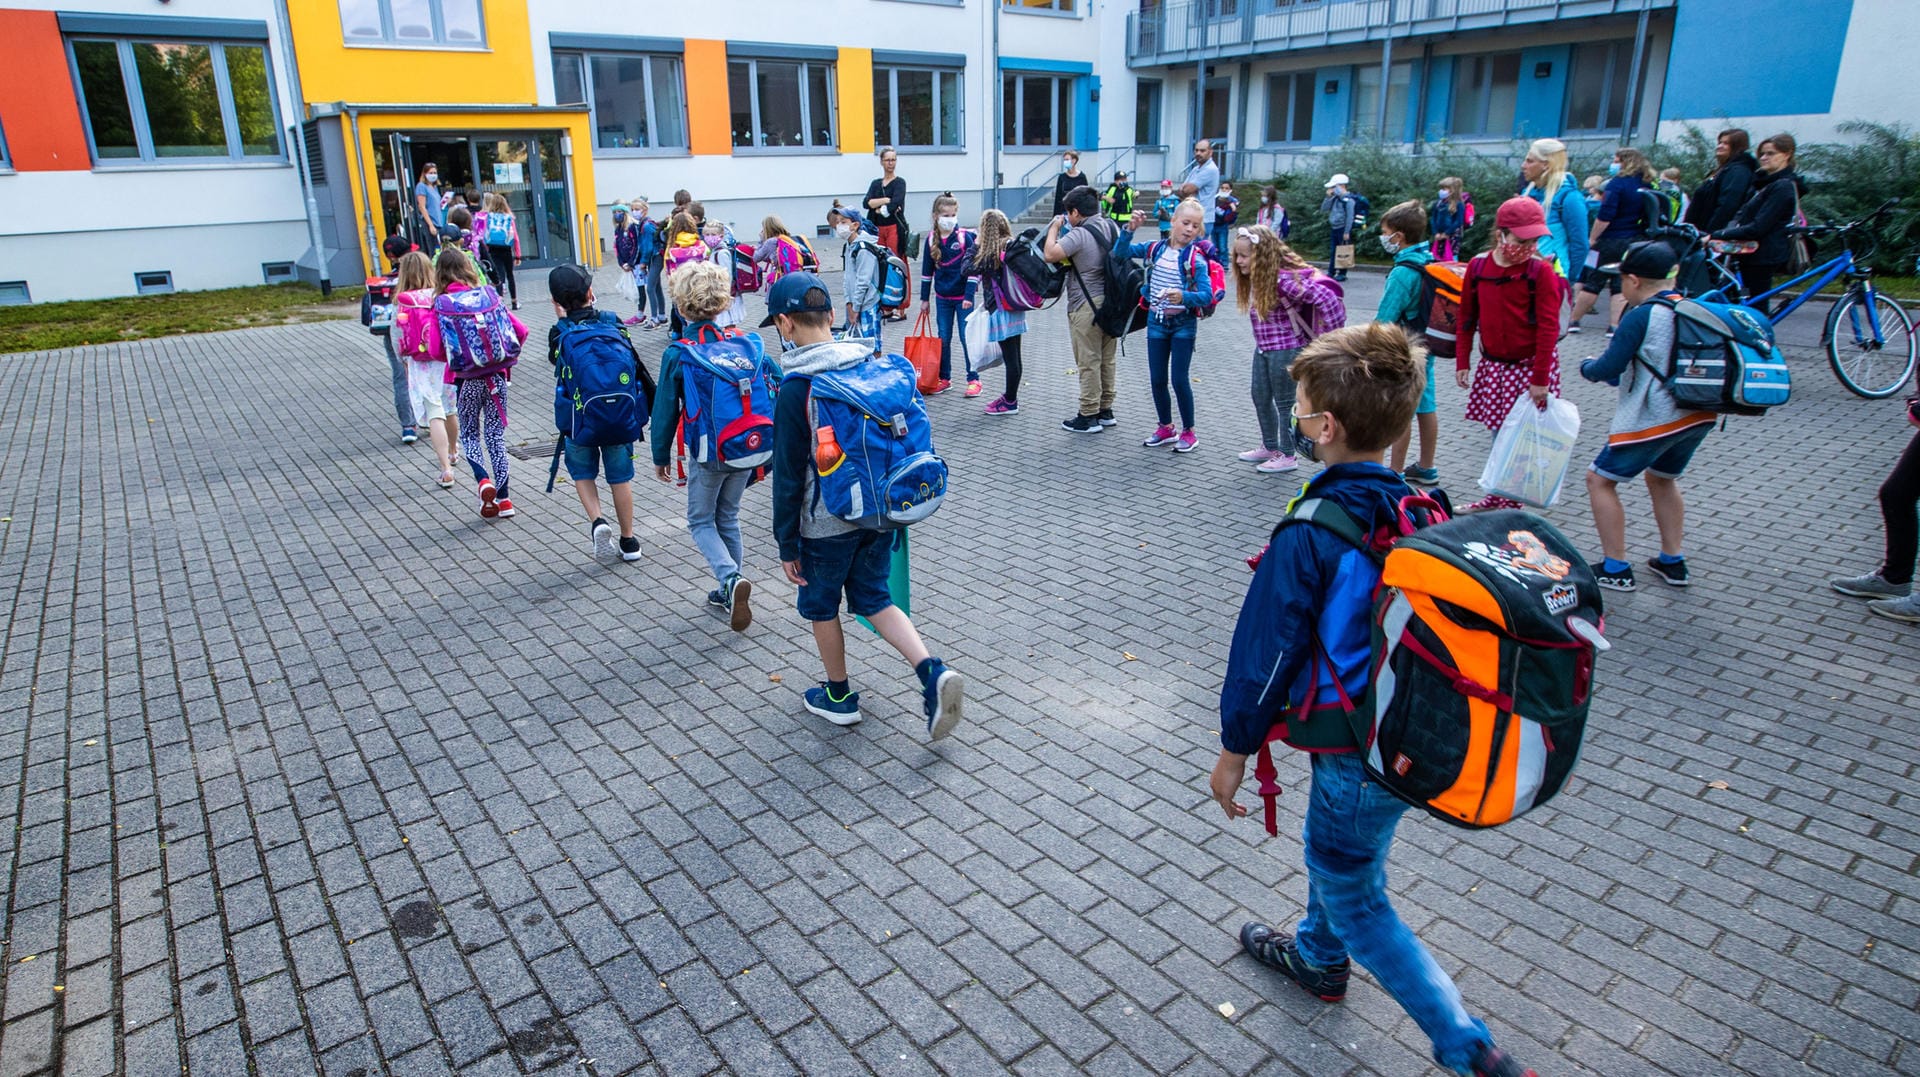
789, 296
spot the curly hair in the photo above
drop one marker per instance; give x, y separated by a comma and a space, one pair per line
1258, 286
700, 290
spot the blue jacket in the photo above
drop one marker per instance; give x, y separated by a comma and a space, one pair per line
1196, 285
1311, 582
626, 244
946, 265
1567, 221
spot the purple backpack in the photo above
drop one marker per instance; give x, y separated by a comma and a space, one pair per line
477, 333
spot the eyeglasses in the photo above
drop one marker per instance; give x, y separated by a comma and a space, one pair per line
1294, 412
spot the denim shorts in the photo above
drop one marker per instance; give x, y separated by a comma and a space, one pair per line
583, 462
1666, 457
857, 563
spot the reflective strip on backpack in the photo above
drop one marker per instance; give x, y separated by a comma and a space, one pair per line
1530, 769
1393, 624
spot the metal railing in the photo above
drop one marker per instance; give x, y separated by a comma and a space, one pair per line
1018, 199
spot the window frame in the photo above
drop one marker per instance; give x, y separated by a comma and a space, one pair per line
130, 87
757, 147
1010, 140
1050, 9
1157, 118
1294, 80
6, 158
1619, 51
439, 42
584, 58
891, 71
1484, 90
1357, 123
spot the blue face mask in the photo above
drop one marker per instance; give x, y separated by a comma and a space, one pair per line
1613, 169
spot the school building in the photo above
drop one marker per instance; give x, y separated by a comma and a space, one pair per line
213, 143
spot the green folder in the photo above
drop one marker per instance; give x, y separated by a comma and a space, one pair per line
899, 579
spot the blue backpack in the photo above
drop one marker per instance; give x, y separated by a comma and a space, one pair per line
499, 229
873, 452
726, 398
601, 392
1724, 358
891, 274
476, 332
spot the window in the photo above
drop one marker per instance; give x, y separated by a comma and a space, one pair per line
1366, 99
1290, 107
14, 293
1065, 7
782, 104
917, 107
167, 101
158, 282
1146, 112
1036, 110
1485, 90
1597, 86
428, 23
636, 99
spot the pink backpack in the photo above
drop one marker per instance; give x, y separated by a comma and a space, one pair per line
1319, 325
417, 331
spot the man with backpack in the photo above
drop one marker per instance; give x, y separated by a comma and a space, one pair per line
1342, 208
852, 466
1085, 249
601, 395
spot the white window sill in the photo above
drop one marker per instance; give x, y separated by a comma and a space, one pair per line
195, 166
1042, 12
415, 46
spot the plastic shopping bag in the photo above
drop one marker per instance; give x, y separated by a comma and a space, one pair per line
1531, 451
981, 347
626, 287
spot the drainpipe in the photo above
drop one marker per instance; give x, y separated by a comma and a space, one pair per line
1628, 118
1420, 99
996, 85
300, 147
366, 196
1386, 80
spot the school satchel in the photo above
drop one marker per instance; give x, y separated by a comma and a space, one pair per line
1485, 630
873, 457
1724, 359
1343, 256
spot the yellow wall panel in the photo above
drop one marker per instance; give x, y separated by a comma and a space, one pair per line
856, 100
332, 70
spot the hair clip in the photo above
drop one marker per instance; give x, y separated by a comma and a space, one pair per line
1250, 236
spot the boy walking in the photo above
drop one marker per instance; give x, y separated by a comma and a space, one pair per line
1311, 596
1651, 434
581, 343
823, 555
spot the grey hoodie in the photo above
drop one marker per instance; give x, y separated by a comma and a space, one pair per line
794, 515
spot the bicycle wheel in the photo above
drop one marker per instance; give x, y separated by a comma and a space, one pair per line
1869, 368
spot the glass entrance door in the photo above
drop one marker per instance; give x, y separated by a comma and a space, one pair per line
527, 168
553, 201
506, 168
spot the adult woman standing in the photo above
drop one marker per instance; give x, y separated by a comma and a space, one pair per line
1545, 169
1622, 219
1070, 177
1766, 215
1725, 189
886, 205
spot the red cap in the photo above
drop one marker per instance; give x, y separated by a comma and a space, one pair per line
1523, 217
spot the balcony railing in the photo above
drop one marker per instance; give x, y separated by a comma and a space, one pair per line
1169, 33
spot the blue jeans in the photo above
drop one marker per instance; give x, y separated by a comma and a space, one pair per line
1349, 829
1170, 352
656, 286
713, 516
402, 402
946, 312
1222, 242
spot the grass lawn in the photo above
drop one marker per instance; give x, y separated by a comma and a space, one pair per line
40, 326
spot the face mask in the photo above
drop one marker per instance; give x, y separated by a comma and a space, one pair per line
1068, 166
1445, 194
1390, 244
1613, 169
714, 242
844, 231
433, 179
948, 224
1513, 251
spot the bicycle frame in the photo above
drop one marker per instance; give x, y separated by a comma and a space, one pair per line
1841, 265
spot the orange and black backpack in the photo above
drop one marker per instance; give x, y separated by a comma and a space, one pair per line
1485, 630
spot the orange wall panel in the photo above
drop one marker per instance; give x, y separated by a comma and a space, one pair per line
709, 119
37, 106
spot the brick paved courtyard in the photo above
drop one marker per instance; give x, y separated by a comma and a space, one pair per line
304, 767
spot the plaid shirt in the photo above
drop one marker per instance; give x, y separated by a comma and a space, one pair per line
1310, 295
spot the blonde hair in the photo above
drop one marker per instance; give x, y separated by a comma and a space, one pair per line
773, 226
1554, 153
1635, 163
682, 224
1593, 183
454, 264
1189, 204
497, 203
1258, 287
713, 228
995, 233
639, 207
700, 290
1456, 188
414, 272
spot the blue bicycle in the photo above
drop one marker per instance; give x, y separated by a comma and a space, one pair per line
1869, 337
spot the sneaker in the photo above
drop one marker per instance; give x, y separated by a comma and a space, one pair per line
973, 387
842, 711
1003, 406
1421, 476
941, 699
408, 436
1161, 436
489, 508
1279, 465
1899, 609
1493, 1062
1082, 424
941, 386
1258, 456
635, 320
717, 598
1609, 334
1872, 585
505, 506
741, 613
1574, 327
629, 548
1188, 441
600, 532
1106, 417
446, 479
1613, 581
1275, 949
1674, 572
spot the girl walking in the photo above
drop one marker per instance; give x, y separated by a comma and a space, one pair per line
499, 238
1179, 285
946, 271
1289, 302
482, 400
1004, 327
1449, 218
418, 333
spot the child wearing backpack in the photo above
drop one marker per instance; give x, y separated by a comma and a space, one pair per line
946, 257
498, 234
716, 386
653, 248
1448, 220
418, 333
459, 236
1651, 434
1290, 303
1181, 288
377, 303
780, 250
479, 341
1405, 303
626, 251
601, 395
1305, 635
722, 254
865, 267
1511, 299
823, 553
1163, 208
1004, 327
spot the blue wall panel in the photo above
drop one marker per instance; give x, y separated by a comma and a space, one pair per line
1332, 112
1538, 109
1754, 57
1086, 112
1439, 97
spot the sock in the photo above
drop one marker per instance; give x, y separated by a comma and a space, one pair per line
925, 669
1670, 560
599, 522
838, 690
1615, 566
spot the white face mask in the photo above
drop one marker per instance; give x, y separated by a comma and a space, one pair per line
844, 231
1390, 243
948, 224
1445, 194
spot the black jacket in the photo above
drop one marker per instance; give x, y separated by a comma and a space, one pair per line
1061, 186
1764, 217
1723, 193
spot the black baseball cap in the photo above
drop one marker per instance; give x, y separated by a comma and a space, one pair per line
1648, 260
790, 294
569, 284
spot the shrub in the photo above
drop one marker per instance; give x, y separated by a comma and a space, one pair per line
1847, 181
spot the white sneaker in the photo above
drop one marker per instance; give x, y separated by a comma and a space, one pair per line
1279, 464
1258, 456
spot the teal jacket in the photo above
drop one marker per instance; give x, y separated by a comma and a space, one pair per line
1400, 303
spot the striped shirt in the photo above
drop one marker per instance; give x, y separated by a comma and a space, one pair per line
1166, 278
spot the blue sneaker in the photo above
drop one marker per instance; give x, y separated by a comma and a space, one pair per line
942, 691
842, 711
407, 435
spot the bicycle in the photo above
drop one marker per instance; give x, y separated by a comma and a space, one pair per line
1877, 354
